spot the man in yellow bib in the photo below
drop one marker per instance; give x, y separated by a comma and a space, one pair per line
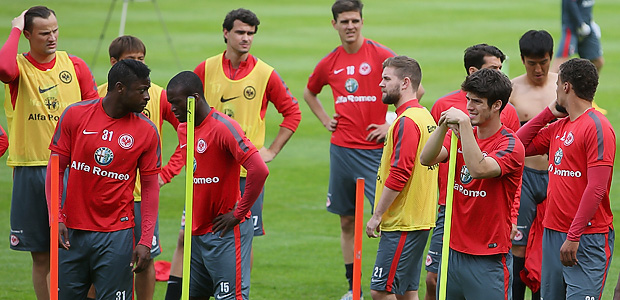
39, 85
241, 86
406, 195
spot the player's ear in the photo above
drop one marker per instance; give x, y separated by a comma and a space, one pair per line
334, 23
119, 87
496, 105
113, 61
27, 34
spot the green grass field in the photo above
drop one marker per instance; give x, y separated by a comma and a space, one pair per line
299, 258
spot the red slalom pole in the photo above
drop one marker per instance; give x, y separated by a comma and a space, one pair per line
54, 229
359, 231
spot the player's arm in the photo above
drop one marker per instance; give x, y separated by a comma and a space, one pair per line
434, 152
572, 9
86, 80
9, 70
148, 209
63, 162
149, 164
255, 180
281, 97
406, 137
317, 108
4, 141
176, 162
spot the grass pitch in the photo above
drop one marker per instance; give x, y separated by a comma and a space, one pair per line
299, 258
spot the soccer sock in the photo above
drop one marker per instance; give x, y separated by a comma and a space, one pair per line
518, 287
349, 275
536, 295
174, 288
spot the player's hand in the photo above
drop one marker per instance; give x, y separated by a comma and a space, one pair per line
160, 181
18, 21
266, 154
378, 133
140, 259
568, 253
331, 125
224, 223
63, 236
557, 110
584, 30
372, 227
513, 231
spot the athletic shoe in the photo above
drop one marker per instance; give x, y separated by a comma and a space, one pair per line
349, 296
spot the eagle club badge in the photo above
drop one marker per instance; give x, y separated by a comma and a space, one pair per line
202, 146
125, 141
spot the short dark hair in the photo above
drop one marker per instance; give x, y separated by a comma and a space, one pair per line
405, 67
582, 75
536, 43
244, 15
188, 82
474, 55
36, 12
341, 6
490, 84
126, 44
127, 71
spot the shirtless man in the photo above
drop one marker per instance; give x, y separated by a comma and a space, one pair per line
531, 93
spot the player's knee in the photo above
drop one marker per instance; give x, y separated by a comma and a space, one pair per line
431, 281
377, 294
347, 223
181, 239
518, 250
40, 258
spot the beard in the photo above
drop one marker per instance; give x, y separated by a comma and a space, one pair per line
391, 97
561, 108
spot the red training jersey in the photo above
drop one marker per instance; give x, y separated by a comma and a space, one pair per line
220, 147
458, 100
104, 155
354, 80
481, 211
573, 147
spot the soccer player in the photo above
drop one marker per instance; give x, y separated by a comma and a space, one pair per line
531, 93
39, 85
578, 237
241, 86
579, 34
104, 142
476, 57
489, 164
4, 141
353, 71
221, 230
157, 110
404, 213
